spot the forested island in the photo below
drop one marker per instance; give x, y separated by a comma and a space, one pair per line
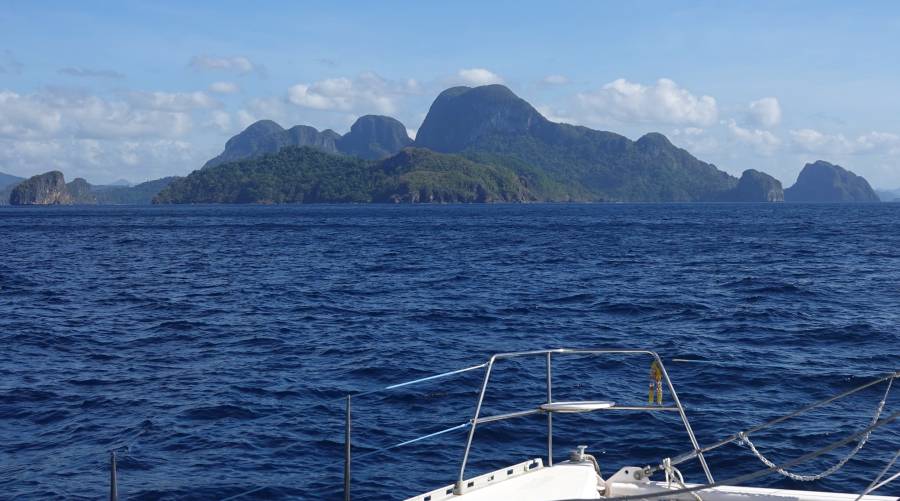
476, 145
51, 188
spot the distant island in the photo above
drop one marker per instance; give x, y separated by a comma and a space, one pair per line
51, 188
825, 182
476, 145
309, 175
889, 195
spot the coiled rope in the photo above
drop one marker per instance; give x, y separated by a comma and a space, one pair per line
742, 479
672, 473
744, 437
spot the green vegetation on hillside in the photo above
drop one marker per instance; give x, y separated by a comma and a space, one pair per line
822, 181
419, 175
587, 164
308, 175
492, 146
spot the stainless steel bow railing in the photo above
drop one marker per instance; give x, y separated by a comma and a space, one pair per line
545, 408
460, 483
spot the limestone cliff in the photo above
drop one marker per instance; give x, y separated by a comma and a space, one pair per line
44, 189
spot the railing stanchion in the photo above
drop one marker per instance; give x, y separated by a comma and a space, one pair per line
459, 487
113, 484
549, 414
347, 453
684, 419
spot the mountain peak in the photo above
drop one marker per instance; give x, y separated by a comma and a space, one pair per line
493, 91
823, 181
371, 137
263, 127
373, 120
653, 140
754, 186
267, 136
374, 137
461, 115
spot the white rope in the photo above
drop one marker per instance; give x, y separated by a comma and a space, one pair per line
747, 477
672, 473
837, 466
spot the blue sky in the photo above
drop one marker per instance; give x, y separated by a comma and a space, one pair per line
138, 90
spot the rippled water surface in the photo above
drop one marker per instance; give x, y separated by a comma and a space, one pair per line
216, 342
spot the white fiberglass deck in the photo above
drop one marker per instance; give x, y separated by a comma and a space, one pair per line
518, 482
531, 481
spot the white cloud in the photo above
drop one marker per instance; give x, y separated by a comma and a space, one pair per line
412, 86
333, 93
412, 133
220, 120
173, 101
762, 140
233, 64
813, 141
27, 116
555, 80
279, 110
478, 76
367, 93
48, 115
100, 160
662, 103
690, 131
245, 118
695, 140
80, 72
554, 115
765, 112
878, 142
224, 87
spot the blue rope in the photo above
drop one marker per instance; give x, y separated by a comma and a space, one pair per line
408, 442
409, 383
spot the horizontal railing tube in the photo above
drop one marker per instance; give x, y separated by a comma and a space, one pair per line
511, 415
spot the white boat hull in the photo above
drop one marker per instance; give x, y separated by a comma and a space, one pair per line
532, 481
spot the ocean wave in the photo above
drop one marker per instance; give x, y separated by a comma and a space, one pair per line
219, 342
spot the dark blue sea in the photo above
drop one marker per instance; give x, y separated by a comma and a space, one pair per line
213, 344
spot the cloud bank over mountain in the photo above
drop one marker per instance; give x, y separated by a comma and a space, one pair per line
134, 96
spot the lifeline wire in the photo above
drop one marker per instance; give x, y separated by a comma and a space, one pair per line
367, 454
837, 466
760, 473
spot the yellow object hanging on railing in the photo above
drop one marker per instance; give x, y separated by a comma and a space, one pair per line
655, 384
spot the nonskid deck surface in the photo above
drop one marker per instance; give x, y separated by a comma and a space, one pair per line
531, 481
